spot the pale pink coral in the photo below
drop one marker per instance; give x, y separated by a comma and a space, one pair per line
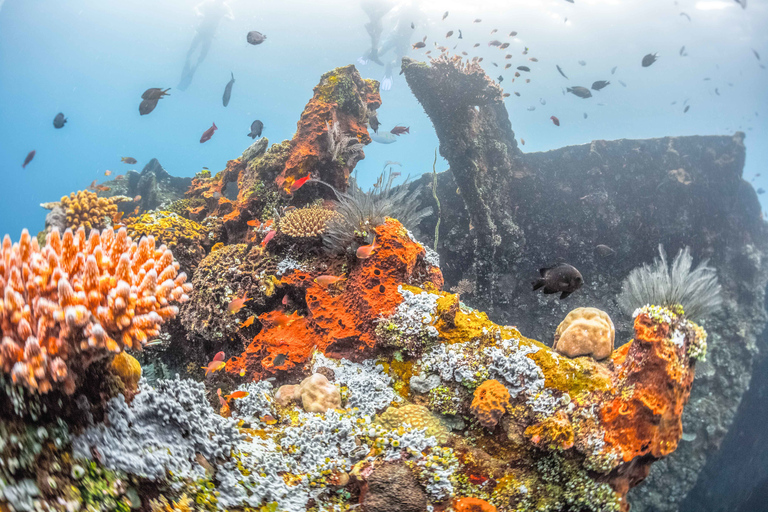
80, 299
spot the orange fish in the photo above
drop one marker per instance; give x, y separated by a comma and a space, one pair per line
242, 372
364, 251
137, 199
299, 183
107, 173
522, 141
102, 188
269, 223
116, 218
236, 394
248, 322
268, 419
326, 281
267, 238
221, 400
219, 356
214, 366
254, 223
237, 304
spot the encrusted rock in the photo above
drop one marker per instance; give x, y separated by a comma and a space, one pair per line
392, 486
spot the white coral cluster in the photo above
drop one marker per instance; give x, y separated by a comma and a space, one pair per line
454, 363
259, 402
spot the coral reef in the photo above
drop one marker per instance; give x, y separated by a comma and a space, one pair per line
309, 222
315, 392
615, 204
186, 238
585, 332
80, 299
154, 186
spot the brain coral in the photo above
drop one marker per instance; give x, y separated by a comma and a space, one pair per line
317, 394
306, 222
490, 402
585, 332
79, 299
85, 209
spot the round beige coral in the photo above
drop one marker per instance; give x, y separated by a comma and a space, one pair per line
316, 392
306, 222
585, 332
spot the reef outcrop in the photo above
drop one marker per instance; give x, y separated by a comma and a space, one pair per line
617, 201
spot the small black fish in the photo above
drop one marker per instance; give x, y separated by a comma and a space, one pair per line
583, 63
717, 92
600, 84
147, 106
501, 78
687, 107
561, 278
279, 360
412, 25
570, 1
761, 191
228, 90
561, 71
682, 51
155, 93
460, 36
649, 59
523, 68
254, 37
59, 120
256, 128
613, 69
756, 54
581, 92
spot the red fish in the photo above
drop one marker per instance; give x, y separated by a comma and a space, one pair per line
236, 394
299, 183
214, 366
29, 158
207, 134
267, 238
221, 399
364, 251
399, 130
555, 120
219, 356
326, 281
254, 223
237, 304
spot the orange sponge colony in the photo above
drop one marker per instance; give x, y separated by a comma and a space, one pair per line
472, 505
490, 403
585, 332
80, 299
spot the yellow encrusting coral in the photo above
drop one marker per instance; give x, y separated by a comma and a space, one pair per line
306, 222
167, 227
128, 369
86, 209
183, 504
416, 416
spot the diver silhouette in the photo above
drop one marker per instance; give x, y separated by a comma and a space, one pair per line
406, 16
211, 12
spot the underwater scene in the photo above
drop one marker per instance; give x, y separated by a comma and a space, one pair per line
383, 256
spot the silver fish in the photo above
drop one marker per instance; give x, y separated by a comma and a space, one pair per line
228, 90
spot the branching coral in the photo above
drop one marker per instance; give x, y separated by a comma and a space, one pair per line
86, 209
306, 222
697, 290
361, 212
79, 299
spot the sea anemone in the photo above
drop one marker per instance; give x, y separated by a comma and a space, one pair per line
361, 212
697, 290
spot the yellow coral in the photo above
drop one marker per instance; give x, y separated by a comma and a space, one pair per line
183, 504
416, 416
128, 369
168, 228
490, 403
585, 332
555, 432
86, 209
306, 222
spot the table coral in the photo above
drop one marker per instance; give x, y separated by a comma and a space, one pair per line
80, 299
585, 332
490, 402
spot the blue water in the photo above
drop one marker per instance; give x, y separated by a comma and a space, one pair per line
92, 59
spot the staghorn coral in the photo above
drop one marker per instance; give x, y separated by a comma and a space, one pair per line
80, 299
491, 401
585, 332
697, 290
309, 222
86, 209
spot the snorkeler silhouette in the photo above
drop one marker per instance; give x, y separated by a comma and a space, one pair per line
211, 12
406, 16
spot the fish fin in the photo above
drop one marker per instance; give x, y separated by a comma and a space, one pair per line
564, 295
549, 291
543, 271
215, 127
537, 284
233, 75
